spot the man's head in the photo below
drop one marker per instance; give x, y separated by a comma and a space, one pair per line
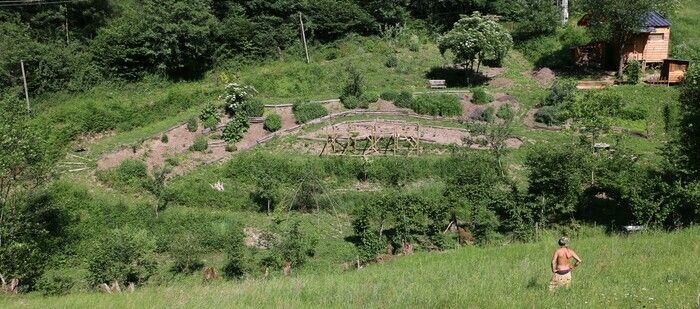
563, 241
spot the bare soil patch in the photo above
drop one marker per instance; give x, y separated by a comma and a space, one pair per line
544, 76
493, 72
501, 82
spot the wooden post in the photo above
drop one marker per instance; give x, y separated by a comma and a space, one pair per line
303, 37
26, 91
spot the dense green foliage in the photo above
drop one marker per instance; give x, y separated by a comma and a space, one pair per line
234, 129
273, 122
200, 143
479, 96
437, 105
307, 111
122, 256
476, 38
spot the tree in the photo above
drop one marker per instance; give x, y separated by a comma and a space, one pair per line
474, 39
156, 184
690, 121
121, 256
170, 37
557, 179
538, 17
617, 21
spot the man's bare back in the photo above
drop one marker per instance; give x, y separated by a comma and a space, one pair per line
560, 260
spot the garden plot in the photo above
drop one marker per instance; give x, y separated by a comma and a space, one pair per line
364, 130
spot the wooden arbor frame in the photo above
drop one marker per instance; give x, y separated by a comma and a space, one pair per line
398, 141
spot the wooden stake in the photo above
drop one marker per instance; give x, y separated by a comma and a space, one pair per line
303, 36
26, 91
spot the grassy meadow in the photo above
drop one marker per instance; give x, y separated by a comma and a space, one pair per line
649, 270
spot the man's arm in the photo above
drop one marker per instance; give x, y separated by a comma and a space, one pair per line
578, 259
554, 262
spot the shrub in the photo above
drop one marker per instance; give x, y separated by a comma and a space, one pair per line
368, 98
200, 144
389, 95
355, 84
505, 112
350, 102
210, 123
546, 115
414, 43
481, 97
130, 173
164, 138
253, 108
370, 245
122, 256
633, 70
237, 96
273, 123
192, 124
634, 113
236, 263
306, 111
561, 94
186, 253
437, 105
236, 128
209, 113
392, 61
57, 282
404, 99
488, 114
538, 17
296, 247
230, 147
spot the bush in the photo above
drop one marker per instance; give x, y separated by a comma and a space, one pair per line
414, 43
634, 71
210, 123
273, 123
355, 84
253, 108
437, 105
296, 247
230, 147
236, 128
404, 99
57, 282
389, 95
209, 113
306, 111
186, 253
236, 263
370, 245
488, 114
634, 113
546, 115
538, 17
122, 256
164, 138
130, 173
350, 102
561, 94
368, 98
505, 112
192, 124
200, 144
480, 96
392, 61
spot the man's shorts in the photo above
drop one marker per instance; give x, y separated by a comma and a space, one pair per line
560, 280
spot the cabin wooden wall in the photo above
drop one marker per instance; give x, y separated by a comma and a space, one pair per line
649, 47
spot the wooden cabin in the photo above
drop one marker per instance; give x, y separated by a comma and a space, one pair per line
673, 70
651, 44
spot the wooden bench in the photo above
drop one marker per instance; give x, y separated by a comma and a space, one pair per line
437, 84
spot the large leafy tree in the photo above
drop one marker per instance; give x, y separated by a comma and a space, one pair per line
617, 21
476, 38
171, 37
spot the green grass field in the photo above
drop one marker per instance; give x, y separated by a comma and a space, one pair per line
653, 270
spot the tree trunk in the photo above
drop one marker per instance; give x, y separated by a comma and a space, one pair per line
564, 12
621, 64
268, 207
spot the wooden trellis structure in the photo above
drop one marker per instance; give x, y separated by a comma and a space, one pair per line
404, 140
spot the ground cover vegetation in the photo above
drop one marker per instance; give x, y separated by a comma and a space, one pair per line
275, 212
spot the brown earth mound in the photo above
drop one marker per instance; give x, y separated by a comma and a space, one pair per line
544, 76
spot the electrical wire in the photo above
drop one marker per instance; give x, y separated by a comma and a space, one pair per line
20, 3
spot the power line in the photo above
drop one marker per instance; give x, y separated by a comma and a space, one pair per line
20, 3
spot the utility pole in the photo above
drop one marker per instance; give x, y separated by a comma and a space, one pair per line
303, 36
564, 12
26, 91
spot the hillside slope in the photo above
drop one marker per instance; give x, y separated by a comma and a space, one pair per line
648, 270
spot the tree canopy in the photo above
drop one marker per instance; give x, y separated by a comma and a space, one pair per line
476, 38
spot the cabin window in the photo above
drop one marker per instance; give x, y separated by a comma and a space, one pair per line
656, 37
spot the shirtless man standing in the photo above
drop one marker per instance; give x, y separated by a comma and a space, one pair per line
561, 268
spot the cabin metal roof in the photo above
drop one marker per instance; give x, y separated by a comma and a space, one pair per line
654, 20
